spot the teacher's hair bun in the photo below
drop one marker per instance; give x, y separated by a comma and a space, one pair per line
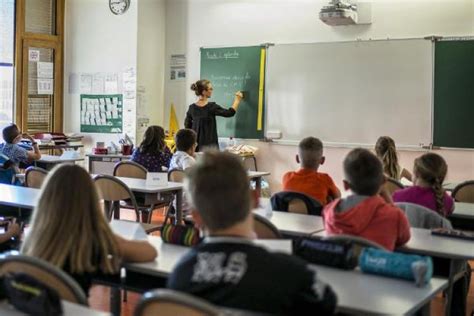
194, 87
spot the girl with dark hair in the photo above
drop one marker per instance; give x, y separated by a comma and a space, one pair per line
153, 154
201, 115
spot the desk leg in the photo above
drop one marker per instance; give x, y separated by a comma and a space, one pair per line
115, 301
258, 185
179, 208
116, 209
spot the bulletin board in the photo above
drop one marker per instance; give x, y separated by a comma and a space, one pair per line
101, 113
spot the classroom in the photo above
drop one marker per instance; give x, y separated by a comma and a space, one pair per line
256, 157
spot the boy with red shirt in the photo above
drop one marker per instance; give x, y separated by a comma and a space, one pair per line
307, 179
366, 213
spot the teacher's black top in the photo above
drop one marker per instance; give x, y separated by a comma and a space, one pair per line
203, 121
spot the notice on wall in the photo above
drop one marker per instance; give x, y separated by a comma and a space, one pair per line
85, 83
73, 86
101, 113
34, 55
178, 67
129, 79
45, 70
111, 83
45, 86
98, 83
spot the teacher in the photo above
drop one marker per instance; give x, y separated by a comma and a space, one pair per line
201, 115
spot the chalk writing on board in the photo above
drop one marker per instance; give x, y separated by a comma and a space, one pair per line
223, 55
235, 82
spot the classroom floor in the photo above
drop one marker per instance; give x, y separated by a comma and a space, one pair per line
99, 295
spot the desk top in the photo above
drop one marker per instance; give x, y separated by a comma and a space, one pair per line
69, 309
294, 224
57, 159
18, 196
257, 174
169, 255
109, 156
370, 294
139, 185
463, 210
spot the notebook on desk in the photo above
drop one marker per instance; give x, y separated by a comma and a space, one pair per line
452, 233
128, 230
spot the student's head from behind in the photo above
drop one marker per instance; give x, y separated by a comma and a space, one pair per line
154, 140
219, 191
310, 153
186, 140
68, 225
11, 134
202, 88
431, 169
363, 172
387, 153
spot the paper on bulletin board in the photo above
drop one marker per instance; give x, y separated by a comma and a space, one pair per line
98, 83
111, 83
34, 55
178, 67
73, 86
101, 113
129, 79
45, 86
45, 70
85, 83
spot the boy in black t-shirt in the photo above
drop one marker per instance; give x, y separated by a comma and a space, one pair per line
227, 268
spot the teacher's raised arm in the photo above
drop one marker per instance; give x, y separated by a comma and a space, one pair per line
201, 115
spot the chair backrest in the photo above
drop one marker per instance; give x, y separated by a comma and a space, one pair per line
359, 242
170, 303
130, 169
34, 177
421, 217
295, 202
112, 189
176, 175
464, 192
392, 185
47, 274
264, 228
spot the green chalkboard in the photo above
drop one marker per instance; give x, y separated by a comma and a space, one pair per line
454, 94
101, 113
234, 69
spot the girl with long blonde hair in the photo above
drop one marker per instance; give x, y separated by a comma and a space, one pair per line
69, 230
429, 173
387, 153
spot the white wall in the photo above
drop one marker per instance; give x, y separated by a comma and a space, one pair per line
151, 62
191, 24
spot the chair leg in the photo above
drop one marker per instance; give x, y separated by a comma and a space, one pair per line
125, 296
150, 213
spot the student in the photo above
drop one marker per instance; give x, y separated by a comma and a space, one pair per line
16, 153
69, 230
186, 144
11, 229
307, 179
201, 115
227, 268
153, 154
429, 173
366, 213
387, 153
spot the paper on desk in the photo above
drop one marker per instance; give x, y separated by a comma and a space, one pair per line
128, 230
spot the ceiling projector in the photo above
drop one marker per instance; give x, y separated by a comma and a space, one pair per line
341, 12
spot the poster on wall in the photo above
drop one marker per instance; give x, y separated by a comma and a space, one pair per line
178, 67
101, 113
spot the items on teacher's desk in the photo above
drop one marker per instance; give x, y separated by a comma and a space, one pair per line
127, 145
242, 150
100, 149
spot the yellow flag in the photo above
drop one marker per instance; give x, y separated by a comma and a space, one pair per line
174, 124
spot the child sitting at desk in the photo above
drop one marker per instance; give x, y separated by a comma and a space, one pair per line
429, 173
387, 153
366, 213
153, 154
16, 153
227, 268
307, 179
186, 145
69, 230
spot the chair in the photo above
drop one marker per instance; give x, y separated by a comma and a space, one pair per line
176, 175
34, 177
170, 303
46, 273
112, 191
8, 170
464, 192
131, 169
264, 228
359, 242
295, 202
421, 217
392, 185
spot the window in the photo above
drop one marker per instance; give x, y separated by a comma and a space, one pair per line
7, 49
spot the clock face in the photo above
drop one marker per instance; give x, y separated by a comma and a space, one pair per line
119, 6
